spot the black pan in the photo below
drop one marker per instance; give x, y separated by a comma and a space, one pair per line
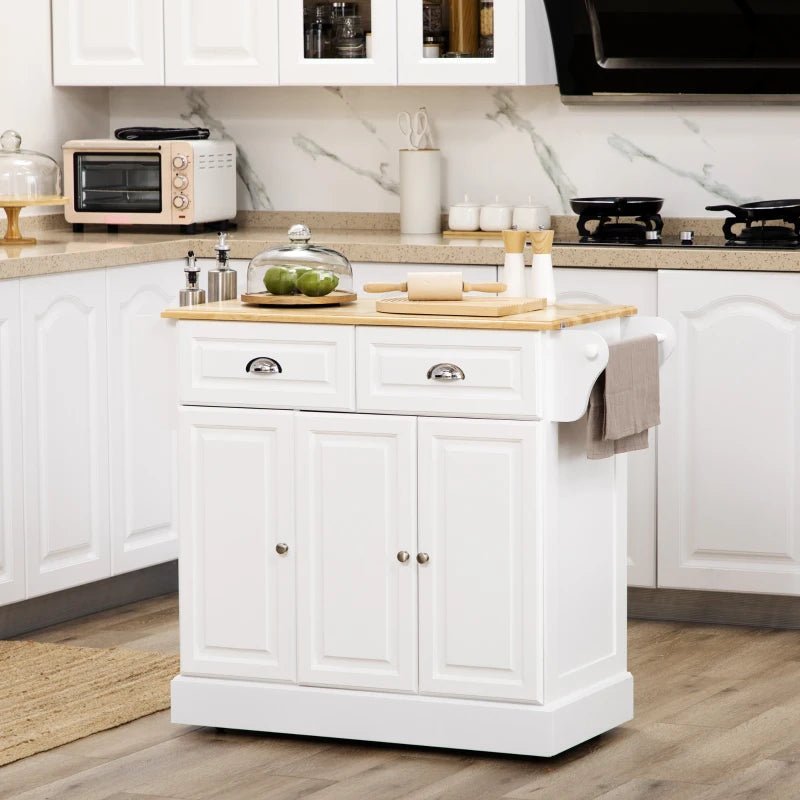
763, 210
617, 206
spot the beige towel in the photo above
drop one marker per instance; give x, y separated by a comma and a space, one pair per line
624, 402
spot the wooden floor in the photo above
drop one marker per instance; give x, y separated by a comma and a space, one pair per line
717, 717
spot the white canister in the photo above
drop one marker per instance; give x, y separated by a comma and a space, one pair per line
532, 217
420, 191
464, 216
497, 216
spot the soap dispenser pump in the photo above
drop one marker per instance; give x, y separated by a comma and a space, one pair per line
192, 295
222, 279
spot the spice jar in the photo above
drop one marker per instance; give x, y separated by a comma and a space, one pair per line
431, 17
486, 44
431, 46
464, 26
351, 42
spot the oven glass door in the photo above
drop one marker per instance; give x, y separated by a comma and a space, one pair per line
118, 182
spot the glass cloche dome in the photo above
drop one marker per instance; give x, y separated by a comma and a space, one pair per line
26, 175
299, 268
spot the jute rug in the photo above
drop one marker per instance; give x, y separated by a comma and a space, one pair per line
51, 694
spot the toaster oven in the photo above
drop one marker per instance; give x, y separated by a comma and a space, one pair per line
169, 182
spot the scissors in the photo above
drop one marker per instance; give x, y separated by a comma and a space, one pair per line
415, 128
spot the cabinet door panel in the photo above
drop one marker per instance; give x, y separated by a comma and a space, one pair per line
210, 45
502, 69
12, 537
379, 17
237, 592
480, 593
65, 430
729, 446
356, 509
143, 390
641, 290
108, 42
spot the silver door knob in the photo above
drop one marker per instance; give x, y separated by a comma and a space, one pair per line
264, 366
403, 556
423, 558
281, 548
446, 372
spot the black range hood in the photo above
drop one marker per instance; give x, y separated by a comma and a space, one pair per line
672, 48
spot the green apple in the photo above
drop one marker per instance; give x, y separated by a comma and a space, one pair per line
281, 280
317, 282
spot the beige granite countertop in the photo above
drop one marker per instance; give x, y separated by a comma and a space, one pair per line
362, 312
61, 250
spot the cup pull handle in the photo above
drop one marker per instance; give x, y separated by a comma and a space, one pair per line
446, 372
263, 366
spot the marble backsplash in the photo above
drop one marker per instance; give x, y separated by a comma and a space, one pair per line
331, 149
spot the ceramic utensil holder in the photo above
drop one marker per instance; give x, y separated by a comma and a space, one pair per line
420, 191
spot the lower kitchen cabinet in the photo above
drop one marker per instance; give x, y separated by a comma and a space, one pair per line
12, 538
356, 546
729, 445
142, 384
480, 583
65, 430
237, 566
639, 288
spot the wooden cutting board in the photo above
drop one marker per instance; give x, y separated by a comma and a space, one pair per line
468, 307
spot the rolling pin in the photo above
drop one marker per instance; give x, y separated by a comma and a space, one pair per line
434, 286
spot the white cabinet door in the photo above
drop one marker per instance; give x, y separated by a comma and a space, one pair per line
356, 516
12, 536
211, 44
65, 430
729, 444
108, 42
503, 69
480, 586
380, 17
237, 599
640, 289
142, 398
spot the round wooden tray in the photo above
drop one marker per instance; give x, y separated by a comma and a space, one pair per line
337, 297
13, 205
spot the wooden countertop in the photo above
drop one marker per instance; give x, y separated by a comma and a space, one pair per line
363, 312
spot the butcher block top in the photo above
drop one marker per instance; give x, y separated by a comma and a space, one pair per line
363, 312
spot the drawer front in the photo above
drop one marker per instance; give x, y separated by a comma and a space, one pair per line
448, 372
256, 365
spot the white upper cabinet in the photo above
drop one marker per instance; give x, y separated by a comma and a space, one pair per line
266, 42
379, 17
108, 42
207, 43
521, 50
729, 442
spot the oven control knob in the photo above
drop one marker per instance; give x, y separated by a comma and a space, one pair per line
179, 162
180, 201
180, 181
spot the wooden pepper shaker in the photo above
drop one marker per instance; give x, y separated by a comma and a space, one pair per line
464, 26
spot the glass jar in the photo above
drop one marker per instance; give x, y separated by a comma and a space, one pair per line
321, 33
26, 174
351, 43
431, 17
487, 17
294, 259
431, 46
464, 26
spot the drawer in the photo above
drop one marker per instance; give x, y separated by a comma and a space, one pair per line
397, 372
257, 365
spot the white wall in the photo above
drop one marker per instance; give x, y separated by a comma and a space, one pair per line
336, 149
45, 116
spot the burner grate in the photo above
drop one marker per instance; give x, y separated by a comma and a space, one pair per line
618, 232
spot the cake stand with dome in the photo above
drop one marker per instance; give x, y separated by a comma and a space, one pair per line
27, 178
